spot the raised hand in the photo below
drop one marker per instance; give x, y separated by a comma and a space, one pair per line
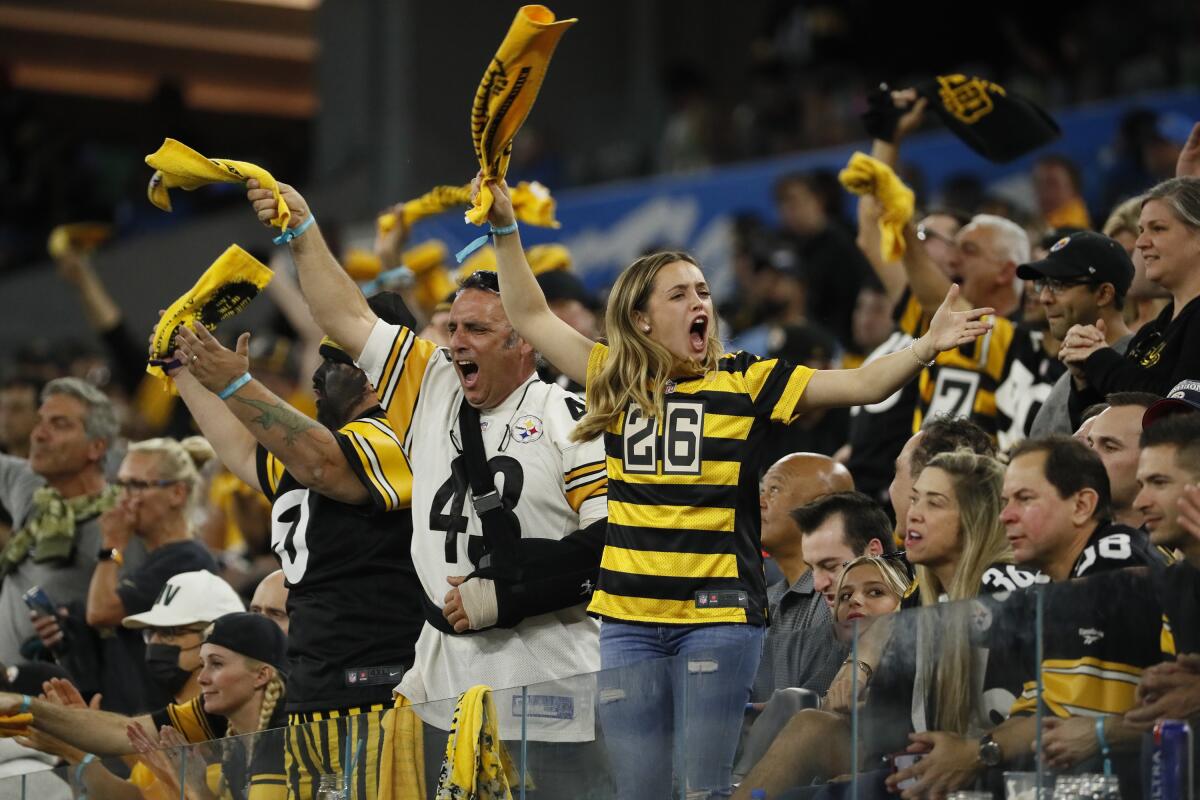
212, 363
263, 201
950, 329
501, 214
1188, 165
910, 120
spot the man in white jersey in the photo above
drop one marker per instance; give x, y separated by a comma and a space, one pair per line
552, 486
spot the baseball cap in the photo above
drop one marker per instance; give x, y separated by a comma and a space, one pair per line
250, 635
1085, 255
559, 284
189, 598
1185, 397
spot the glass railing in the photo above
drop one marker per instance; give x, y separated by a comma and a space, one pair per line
932, 682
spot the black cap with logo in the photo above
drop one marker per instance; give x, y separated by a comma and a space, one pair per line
1086, 257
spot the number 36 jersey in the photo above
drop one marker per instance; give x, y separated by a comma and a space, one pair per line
553, 485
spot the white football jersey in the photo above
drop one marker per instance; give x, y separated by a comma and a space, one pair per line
553, 485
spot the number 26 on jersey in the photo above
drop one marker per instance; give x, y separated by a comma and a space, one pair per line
677, 444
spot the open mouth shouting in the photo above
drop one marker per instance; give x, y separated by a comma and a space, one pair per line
468, 372
698, 334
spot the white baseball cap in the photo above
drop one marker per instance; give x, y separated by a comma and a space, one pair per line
189, 598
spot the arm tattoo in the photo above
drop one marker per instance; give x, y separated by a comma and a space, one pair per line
291, 421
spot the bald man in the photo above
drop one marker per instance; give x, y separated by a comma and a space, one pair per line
795, 607
270, 600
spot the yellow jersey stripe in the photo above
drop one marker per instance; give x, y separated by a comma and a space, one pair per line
727, 426
579, 495
382, 469
583, 469
394, 362
669, 565
785, 409
653, 610
712, 473
717, 520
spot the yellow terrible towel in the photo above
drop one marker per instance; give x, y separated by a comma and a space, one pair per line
16, 725
541, 258
477, 766
77, 237
225, 289
866, 175
178, 166
531, 201
506, 94
402, 763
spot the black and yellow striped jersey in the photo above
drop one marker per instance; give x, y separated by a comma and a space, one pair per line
683, 515
354, 600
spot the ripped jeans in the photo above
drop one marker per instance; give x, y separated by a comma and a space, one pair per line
671, 701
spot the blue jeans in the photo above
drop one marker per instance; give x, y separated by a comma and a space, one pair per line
672, 699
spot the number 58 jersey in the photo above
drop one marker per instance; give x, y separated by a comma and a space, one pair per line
554, 486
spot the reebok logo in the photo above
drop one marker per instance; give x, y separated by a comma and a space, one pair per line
1091, 635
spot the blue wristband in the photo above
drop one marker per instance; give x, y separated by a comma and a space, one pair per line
83, 762
1105, 750
236, 384
461, 255
299, 230
26, 704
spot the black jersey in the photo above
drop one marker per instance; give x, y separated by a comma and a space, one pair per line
1099, 632
354, 599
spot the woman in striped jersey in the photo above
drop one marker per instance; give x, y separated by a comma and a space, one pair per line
684, 426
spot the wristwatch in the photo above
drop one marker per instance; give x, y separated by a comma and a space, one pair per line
110, 554
989, 751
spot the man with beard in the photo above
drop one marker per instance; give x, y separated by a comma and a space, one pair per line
354, 600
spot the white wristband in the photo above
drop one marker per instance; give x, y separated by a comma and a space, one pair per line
479, 601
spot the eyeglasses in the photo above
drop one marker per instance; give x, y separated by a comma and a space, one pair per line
1056, 287
134, 485
925, 233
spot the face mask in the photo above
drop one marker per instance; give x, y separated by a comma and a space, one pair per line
162, 662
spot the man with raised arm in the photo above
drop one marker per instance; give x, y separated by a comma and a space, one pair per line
478, 400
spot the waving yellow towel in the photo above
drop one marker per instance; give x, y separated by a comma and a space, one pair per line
178, 166
16, 725
509, 86
531, 201
866, 175
77, 237
225, 289
477, 766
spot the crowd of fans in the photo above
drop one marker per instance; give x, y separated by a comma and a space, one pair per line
411, 495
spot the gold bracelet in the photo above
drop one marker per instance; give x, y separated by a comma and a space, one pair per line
912, 348
864, 666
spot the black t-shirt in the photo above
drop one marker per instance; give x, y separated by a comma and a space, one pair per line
354, 600
1161, 354
1179, 595
139, 589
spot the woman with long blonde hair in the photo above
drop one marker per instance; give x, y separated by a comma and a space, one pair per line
684, 424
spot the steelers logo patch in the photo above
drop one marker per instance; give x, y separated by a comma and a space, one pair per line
1060, 244
527, 429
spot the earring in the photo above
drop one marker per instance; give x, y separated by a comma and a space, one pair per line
645, 329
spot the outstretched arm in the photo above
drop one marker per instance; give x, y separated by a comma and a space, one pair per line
877, 379
334, 299
307, 449
524, 303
